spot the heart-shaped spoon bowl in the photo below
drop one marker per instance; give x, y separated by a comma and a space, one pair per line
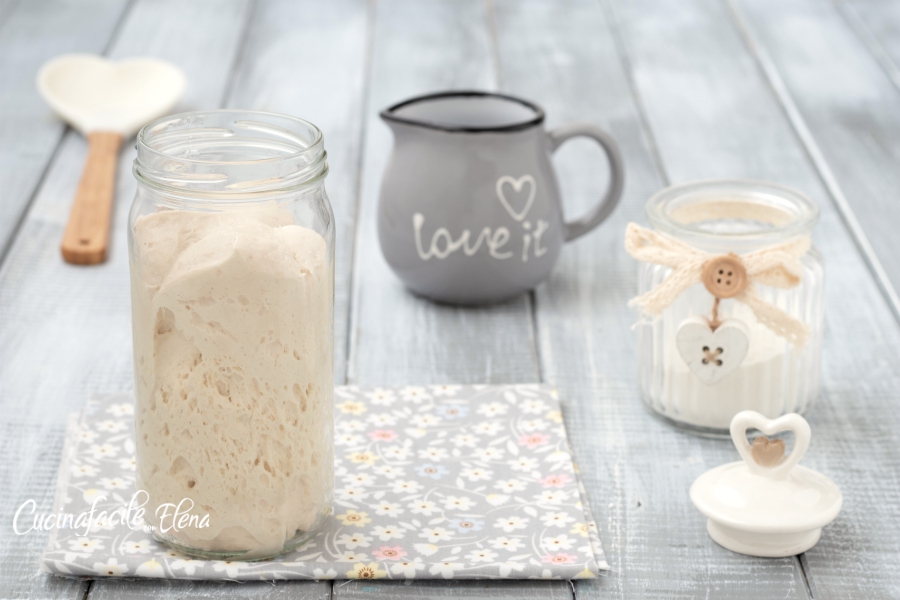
92, 93
107, 102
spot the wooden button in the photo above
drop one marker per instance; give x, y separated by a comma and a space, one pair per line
724, 276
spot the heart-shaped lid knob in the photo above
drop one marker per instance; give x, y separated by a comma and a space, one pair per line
766, 457
767, 492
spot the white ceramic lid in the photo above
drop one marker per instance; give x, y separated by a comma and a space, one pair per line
765, 504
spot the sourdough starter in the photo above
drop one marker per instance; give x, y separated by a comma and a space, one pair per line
232, 316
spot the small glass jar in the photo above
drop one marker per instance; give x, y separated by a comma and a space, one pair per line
776, 377
231, 242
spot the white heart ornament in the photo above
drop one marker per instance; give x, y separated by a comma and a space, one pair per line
517, 185
712, 355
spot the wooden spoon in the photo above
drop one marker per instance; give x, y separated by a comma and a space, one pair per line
107, 102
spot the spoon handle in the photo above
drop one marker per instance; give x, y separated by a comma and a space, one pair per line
87, 233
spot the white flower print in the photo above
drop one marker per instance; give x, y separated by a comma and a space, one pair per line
389, 509
382, 397
533, 425
111, 568
480, 555
506, 543
496, 499
348, 439
457, 503
83, 544
91, 494
395, 453
114, 483
511, 485
510, 524
432, 453
402, 486
426, 549
464, 440
492, 409
136, 547
423, 507
128, 463
551, 497
353, 557
388, 532
389, 471
151, 568
557, 543
557, 519
445, 390
414, 394
353, 540
382, 419
476, 474
488, 427
103, 450
425, 421
359, 479
186, 563
488, 453
508, 567
415, 433
231, 568
87, 436
445, 569
523, 463
435, 534
408, 568
350, 425
121, 410
320, 574
110, 426
84, 470
350, 493
533, 406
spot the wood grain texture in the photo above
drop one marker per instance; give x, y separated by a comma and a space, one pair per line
854, 126
637, 470
398, 338
30, 34
86, 237
65, 331
714, 114
846, 112
308, 59
878, 25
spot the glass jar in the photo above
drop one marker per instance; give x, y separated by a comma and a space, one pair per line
231, 242
776, 376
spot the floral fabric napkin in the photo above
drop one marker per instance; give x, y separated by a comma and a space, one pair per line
430, 482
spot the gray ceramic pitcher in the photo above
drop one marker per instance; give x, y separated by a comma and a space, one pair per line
470, 210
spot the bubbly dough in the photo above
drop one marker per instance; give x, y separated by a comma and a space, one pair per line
232, 317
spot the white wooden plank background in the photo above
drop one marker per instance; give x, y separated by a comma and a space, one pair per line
693, 89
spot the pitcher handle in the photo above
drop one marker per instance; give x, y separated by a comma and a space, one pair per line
598, 214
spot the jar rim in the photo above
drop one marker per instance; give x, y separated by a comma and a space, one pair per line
229, 152
682, 209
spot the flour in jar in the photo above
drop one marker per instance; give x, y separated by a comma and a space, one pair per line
232, 317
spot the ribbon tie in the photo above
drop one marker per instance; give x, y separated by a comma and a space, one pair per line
777, 266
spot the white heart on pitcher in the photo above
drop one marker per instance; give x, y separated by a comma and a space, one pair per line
517, 185
712, 355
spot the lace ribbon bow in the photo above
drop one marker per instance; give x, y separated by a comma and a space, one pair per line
777, 266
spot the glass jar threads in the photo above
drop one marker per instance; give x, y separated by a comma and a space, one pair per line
731, 290
231, 240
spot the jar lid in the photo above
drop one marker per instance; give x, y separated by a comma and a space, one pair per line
766, 505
